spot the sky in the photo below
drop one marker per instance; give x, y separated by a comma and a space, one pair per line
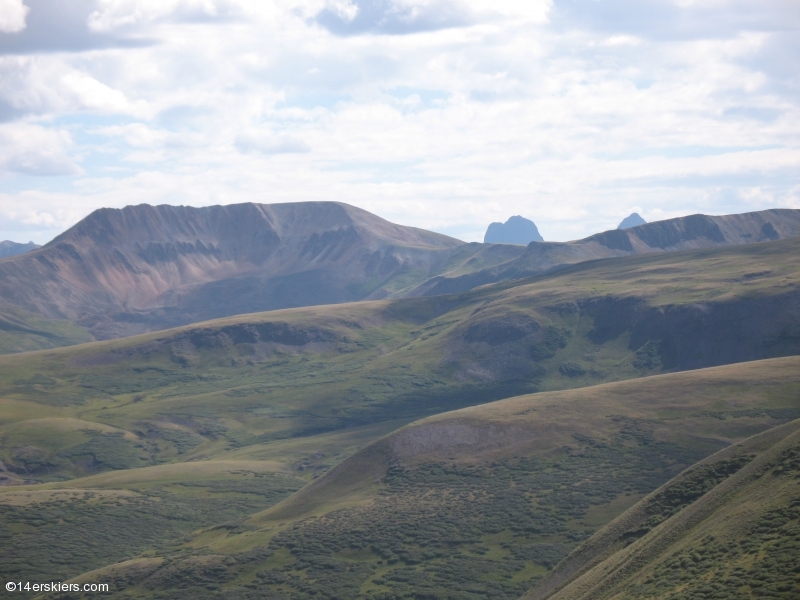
441, 114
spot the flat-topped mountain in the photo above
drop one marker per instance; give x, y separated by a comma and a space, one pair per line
145, 267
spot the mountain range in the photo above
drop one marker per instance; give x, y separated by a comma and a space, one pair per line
9, 248
144, 268
694, 231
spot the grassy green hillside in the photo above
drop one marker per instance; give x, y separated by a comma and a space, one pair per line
22, 331
53, 532
60, 529
728, 527
478, 502
275, 400
238, 385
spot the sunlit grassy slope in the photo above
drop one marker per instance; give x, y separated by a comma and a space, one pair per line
239, 385
476, 503
728, 527
22, 331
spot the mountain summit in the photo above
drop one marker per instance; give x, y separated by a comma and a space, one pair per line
517, 230
632, 220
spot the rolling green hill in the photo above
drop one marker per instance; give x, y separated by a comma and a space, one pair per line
482, 501
300, 390
55, 531
729, 527
245, 382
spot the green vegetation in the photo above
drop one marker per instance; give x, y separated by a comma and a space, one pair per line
21, 331
762, 563
485, 500
58, 531
243, 382
115, 435
735, 534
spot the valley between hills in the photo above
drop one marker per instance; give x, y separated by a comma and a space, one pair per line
607, 418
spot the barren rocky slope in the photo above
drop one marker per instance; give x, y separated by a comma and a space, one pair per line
119, 272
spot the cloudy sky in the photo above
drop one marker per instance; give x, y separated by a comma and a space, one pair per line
443, 114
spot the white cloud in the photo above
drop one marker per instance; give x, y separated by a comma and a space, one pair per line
447, 114
622, 40
12, 16
115, 14
268, 143
536, 11
344, 9
88, 93
37, 151
49, 85
41, 163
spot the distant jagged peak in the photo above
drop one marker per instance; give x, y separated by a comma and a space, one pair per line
9, 248
517, 230
632, 220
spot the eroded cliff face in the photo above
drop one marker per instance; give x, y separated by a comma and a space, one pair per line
119, 272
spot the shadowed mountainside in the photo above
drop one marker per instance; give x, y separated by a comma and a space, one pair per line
683, 233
